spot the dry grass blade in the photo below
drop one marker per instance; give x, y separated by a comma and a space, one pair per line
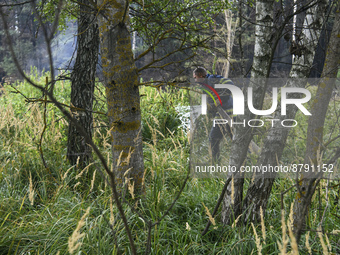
112, 218
31, 190
127, 160
76, 185
67, 171
324, 247
84, 170
187, 226
73, 243
295, 249
235, 222
120, 158
307, 243
232, 190
93, 179
212, 220
263, 227
283, 246
257, 241
131, 188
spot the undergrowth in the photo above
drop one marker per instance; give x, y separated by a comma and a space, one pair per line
41, 206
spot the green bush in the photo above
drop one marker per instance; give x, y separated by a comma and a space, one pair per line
160, 118
62, 195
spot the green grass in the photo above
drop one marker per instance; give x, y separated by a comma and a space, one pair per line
59, 202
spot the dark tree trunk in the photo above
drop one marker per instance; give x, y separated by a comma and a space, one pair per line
83, 80
315, 129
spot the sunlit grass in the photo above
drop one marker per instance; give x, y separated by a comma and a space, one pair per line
45, 225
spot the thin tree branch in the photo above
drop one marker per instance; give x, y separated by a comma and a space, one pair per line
79, 128
16, 4
219, 201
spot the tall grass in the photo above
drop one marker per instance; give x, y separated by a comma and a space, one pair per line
45, 210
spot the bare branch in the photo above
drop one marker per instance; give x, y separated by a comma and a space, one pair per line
16, 4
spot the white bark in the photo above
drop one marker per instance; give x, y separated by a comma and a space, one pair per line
243, 136
230, 40
258, 193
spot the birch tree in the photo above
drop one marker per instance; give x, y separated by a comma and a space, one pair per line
259, 191
314, 143
265, 43
243, 136
229, 27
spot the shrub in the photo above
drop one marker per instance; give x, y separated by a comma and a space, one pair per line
160, 116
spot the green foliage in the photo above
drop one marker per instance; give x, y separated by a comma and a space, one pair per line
172, 30
165, 15
47, 10
160, 118
45, 226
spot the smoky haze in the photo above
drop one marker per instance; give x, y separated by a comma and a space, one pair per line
64, 47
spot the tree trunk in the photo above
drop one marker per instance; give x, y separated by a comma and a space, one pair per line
315, 128
83, 81
228, 16
243, 135
259, 191
121, 81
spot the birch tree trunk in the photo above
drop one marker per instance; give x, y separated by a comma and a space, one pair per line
121, 81
259, 191
231, 207
228, 16
315, 129
83, 81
